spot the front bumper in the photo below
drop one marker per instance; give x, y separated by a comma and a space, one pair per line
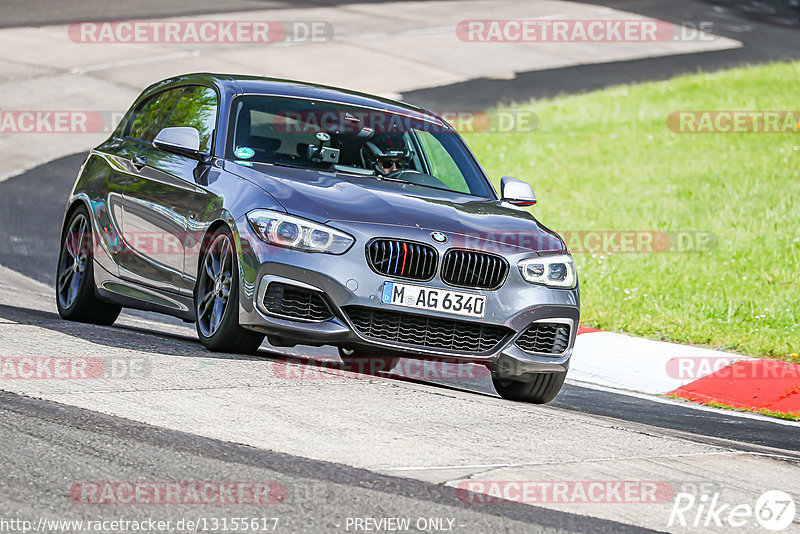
347, 280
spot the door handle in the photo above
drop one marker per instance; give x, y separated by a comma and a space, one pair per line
139, 162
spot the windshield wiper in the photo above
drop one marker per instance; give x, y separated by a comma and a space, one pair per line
339, 169
401, 181
355, 171
398, 180
289, 165
332, 168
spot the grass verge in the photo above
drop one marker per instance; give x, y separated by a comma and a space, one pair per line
607, 161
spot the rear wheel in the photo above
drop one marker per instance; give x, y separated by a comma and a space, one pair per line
359, 361
216, 299
540, 390
75, 292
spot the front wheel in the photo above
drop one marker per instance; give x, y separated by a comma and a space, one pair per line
216, 299
540, 390
75, 292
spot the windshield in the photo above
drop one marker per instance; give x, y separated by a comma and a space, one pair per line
349, 139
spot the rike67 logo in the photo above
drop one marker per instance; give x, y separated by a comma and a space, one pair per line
774, 510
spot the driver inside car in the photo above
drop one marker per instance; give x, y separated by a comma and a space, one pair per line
385, 166
387, 153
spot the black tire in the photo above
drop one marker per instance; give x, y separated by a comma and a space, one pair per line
76, 297
218, 286
358, 361
540, 390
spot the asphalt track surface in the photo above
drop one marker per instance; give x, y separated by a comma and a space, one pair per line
763, 41
30, 245
41, 12
79, 444
49, 446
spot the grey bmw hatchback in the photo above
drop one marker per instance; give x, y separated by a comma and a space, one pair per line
313, 215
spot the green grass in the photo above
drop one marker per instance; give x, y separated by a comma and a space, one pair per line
607, 161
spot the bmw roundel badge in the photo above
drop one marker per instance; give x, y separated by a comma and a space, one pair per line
439, 237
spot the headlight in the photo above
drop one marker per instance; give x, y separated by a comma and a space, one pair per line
553, 271
293, 232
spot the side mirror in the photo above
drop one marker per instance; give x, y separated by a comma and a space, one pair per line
183, 140
516, 192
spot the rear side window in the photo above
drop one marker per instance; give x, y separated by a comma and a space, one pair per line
149, 116
197, 108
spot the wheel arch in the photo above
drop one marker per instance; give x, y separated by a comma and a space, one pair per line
210, 231
75, 203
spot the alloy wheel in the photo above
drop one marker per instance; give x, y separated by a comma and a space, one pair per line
74, 260
214, 285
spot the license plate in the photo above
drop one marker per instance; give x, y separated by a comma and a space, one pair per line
429, 298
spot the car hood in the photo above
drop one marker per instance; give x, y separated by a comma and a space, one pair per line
343, 201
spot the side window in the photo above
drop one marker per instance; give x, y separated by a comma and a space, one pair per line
197, 108
148, 118
441, 163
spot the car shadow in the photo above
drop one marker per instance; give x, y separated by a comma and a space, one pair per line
120, 336
151, 340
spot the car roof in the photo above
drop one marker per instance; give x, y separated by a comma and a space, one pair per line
241, 84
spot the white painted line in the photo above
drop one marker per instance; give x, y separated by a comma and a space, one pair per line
436, 467
132, 62
560, 462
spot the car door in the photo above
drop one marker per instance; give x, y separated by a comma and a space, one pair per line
197, 108
107, 168
155, 203
158, 202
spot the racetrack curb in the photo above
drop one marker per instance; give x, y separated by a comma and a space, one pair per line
695, 374
749, 385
